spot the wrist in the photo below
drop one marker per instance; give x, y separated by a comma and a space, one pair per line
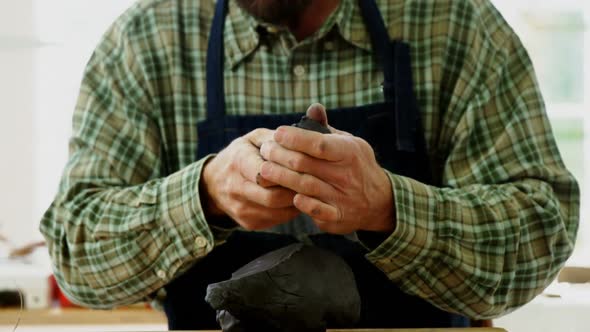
206, 191
384, 219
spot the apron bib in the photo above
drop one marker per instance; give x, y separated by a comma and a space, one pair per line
393, 129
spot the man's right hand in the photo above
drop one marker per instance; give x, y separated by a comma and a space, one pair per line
229, 186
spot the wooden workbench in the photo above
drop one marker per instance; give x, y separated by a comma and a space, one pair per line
138, 316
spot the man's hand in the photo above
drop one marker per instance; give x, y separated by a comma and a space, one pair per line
336, 176
230, 180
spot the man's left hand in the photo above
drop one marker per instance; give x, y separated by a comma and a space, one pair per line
336, 176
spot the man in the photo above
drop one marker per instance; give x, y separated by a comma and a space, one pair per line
441, 161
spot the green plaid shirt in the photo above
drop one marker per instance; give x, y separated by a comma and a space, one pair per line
489, 237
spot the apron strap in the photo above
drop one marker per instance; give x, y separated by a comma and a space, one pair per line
381, 43
398, 86
215, 59
407, 113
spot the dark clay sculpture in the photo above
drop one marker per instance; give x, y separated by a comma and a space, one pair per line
311, 124
298, 288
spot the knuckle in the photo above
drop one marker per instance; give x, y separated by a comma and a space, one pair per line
263, 131
237, 188
345, 180
278, 174
365, 149
254, 133
239, 210
267, 199
297, 163
271, 150
363, 144
236, 161
238, 141
319, 146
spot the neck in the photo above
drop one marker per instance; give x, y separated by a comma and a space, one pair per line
312, 18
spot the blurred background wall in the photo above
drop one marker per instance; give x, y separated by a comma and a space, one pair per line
17, 79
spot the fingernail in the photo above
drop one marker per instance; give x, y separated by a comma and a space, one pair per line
317, 112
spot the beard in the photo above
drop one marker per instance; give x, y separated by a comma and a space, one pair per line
275, 11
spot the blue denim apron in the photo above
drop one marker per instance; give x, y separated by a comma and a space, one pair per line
394, 130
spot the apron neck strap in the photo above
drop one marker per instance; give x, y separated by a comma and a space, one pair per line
215, 60
384, 50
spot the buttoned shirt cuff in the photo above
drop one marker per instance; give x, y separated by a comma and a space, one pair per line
411, 245
184, 211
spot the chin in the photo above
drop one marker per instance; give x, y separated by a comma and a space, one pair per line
274, 11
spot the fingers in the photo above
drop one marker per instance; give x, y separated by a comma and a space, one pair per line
321, 146
250, 161
301, 163
264, 183
258, 136
293, 160
299, 182
273, 198
254, 217
321, 212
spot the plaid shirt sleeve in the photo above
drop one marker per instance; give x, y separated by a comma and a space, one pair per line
117, 230
503, 220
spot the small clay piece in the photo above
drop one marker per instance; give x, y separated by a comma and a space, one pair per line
296, 288
311, 124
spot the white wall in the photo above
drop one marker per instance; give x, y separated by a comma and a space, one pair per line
69, 31
16, 118
44, 46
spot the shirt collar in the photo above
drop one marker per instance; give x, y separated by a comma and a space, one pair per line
241, 37
351, 25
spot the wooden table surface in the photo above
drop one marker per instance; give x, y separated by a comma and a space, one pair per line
83, 316
140, 316
485, 329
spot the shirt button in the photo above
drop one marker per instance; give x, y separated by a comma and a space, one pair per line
299, 70
161, 274
329, 46
201, 242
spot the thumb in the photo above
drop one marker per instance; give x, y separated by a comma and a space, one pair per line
318, 113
